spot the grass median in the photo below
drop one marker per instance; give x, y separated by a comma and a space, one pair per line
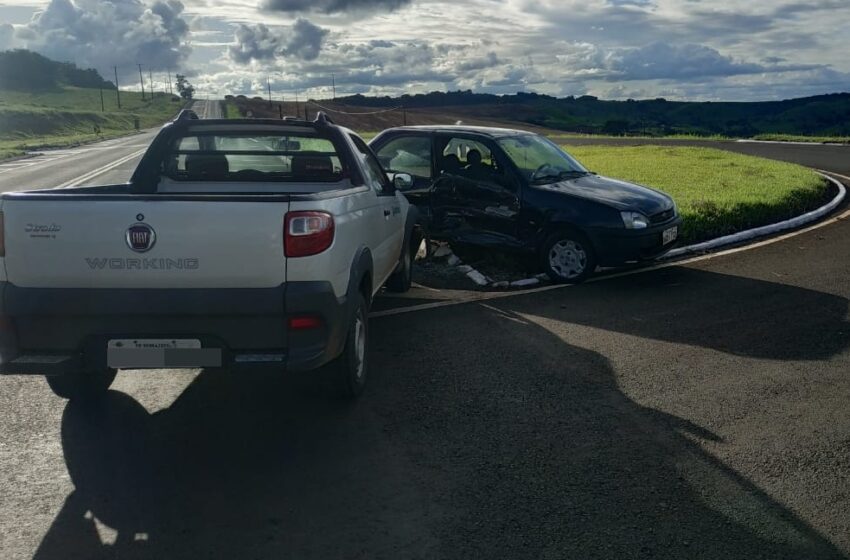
717, 192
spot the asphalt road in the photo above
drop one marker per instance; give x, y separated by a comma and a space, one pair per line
696, 411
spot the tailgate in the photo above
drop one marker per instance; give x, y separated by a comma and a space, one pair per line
85, 243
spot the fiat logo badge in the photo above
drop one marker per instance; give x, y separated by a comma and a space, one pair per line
140, 237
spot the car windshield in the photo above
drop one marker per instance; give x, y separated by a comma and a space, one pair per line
539, 160
301, 157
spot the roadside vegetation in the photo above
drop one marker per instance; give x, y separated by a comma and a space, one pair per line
717, 192
800, 138
45, 103
70, 115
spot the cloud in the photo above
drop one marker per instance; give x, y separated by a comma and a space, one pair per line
6, 35
333, 6
303, 40
661, 61
98, 34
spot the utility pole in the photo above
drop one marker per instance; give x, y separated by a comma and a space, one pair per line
117, 89
333, 85
297, 112
142, 81
269, 86
170, 92
102, 108
150, 81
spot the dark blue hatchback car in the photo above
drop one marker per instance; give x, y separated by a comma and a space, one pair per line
518, 190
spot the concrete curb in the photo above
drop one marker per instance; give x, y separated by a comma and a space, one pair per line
750, 234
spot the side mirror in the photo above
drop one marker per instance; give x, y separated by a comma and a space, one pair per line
403, 181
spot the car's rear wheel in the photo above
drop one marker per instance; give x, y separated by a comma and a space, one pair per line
350, 368
83, 384
567, 256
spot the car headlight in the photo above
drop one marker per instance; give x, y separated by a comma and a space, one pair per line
634, 220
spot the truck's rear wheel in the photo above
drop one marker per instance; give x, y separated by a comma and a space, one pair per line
80, 385
349, 369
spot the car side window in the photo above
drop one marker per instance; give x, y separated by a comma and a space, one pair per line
472, 160
374, 172
408, 154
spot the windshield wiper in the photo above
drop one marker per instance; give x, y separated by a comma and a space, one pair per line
559, 176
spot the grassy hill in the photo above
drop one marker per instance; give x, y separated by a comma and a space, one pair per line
46, 103
68, 115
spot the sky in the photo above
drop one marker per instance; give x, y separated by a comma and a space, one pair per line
703, 50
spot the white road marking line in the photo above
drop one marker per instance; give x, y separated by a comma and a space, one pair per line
101, 170
483, 296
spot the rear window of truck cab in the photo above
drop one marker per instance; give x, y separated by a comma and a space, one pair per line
303, 157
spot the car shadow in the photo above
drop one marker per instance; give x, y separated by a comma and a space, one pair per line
482, 435
737, 315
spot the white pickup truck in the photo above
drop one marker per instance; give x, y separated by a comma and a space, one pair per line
236, 244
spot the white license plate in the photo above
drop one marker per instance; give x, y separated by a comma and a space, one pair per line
138, 343
138, 353
669, 235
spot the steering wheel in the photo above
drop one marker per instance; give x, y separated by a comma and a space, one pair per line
539, 169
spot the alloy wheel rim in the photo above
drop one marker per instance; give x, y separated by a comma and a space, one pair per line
360, 344
568, 259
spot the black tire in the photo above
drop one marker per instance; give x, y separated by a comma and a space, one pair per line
400, 280
576, 262
349, 370
82, 385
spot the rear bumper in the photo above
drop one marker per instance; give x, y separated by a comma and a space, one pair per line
615, 247
50, 331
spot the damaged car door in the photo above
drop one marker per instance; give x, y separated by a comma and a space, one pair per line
476, 196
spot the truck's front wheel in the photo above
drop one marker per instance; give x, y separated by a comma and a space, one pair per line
80, 385
350, 368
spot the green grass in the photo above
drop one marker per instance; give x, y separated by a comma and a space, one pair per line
229, 110
799, 138
717, 192
67, 116
566, 136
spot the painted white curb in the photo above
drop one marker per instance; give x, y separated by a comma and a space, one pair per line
771, 229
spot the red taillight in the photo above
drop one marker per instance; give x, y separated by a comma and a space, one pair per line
307, 233
303, 323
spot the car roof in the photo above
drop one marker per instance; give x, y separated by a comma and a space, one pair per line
490, 131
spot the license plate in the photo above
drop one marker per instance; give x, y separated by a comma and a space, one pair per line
669, 235
131, 353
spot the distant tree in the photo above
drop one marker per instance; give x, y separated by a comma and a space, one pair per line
616, 127
184, 88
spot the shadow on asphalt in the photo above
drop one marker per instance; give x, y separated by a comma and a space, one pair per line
733, 314
482, 435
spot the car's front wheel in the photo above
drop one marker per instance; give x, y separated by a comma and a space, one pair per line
567, 256
401, 279
349, 369
83, 384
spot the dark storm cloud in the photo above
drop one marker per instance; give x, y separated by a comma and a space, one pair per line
303, 40
98, 34
333, 6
